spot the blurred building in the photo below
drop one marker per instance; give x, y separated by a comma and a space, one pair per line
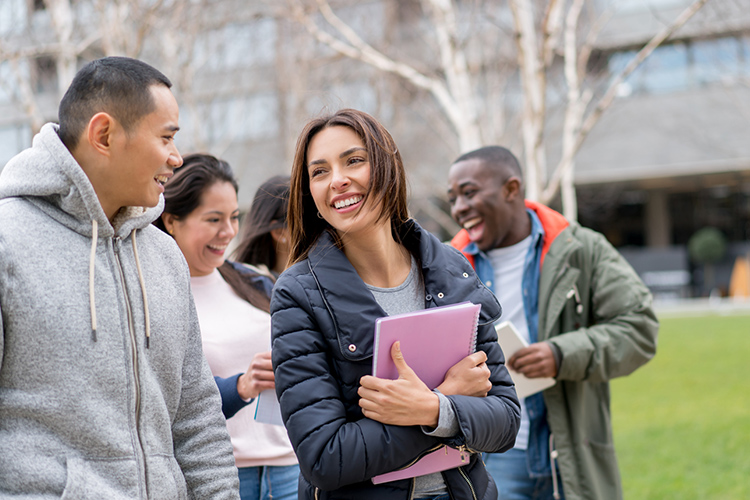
672, 155
669, 157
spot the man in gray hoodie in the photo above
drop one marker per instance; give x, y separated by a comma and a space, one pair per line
104, 391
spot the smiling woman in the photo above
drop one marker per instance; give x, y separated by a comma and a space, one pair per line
232, 301
358, 257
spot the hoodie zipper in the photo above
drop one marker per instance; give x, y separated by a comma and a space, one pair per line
134, 352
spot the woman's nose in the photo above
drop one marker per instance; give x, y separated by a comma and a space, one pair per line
339, 180
228, 229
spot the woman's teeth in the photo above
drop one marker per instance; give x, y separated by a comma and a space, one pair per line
347, 202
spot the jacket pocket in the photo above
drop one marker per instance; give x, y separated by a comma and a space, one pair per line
601, 477
165, 478
94, 479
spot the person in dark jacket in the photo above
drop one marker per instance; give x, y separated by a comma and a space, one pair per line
356, 256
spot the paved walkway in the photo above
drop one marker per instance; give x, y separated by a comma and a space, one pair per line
702, 307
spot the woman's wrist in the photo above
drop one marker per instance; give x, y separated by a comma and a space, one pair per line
245, 388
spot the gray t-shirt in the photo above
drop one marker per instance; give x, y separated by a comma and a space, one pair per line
407, 297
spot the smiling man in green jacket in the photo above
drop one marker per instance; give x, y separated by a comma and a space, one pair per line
584, 311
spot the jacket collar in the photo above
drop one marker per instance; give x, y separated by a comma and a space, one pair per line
552, 222
352, 306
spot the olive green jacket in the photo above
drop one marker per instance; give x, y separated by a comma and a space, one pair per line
596, 310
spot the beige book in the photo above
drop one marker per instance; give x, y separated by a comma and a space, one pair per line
511, 341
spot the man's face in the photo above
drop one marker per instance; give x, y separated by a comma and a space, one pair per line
480, 203
146, 156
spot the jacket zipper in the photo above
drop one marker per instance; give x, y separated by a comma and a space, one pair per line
134, 352
468, 481
463, 448
419, 457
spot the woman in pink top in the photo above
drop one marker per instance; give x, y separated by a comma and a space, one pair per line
232, 301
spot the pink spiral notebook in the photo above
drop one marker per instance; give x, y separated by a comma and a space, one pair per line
432, 340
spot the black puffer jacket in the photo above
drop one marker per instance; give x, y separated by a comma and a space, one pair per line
323, 319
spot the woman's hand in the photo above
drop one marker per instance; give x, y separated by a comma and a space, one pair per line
468, 377
404, 401
258, 377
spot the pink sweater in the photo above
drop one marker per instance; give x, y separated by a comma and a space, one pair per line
232, 332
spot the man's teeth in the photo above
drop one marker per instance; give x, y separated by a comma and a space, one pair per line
162, 179
347, 202
471, 223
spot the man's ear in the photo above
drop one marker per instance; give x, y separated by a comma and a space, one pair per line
99, 132
168, 220
512, 189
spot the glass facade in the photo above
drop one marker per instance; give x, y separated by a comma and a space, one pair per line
685, 65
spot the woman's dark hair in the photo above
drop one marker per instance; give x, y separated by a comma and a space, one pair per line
387, 179
267, 212
182, 193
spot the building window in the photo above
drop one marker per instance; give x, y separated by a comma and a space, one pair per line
685, 65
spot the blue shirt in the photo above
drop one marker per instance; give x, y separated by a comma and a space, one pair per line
537, 452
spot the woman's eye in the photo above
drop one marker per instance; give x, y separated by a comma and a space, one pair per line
355, 159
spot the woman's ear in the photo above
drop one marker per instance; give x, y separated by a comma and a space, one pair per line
168, 220
279, 235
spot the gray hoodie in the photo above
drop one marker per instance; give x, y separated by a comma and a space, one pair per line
104, 390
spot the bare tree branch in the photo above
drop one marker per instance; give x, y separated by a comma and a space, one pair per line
534, 82
456, 72
457, 107
575, 104
551, 27
567, 160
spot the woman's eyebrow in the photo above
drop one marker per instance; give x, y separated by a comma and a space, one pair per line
342, 155
351, 150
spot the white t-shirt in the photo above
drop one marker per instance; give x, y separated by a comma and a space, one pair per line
232, 332
507, 264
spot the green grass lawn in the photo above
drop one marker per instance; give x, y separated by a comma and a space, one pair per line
682, 422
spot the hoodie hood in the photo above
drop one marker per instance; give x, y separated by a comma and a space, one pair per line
49, 177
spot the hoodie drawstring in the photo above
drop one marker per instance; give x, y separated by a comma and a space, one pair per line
553, 457
143, 290
92, 265
92, 296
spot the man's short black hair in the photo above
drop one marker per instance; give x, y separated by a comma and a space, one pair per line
496, 157
119, 86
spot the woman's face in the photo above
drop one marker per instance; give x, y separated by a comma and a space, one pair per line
339, 170
204, 234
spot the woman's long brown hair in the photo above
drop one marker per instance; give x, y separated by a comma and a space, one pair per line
387, 179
